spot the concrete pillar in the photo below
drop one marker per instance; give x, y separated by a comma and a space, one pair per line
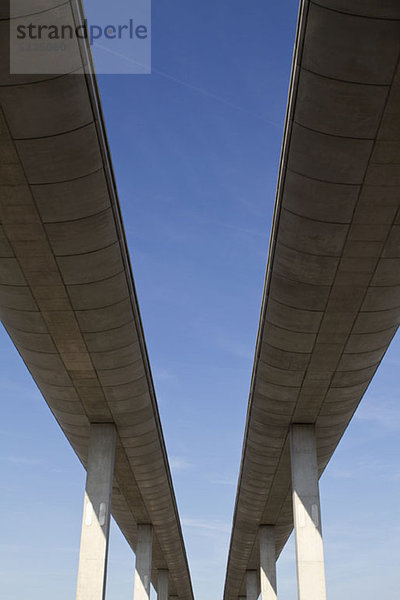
267, 562
96, 513
162, 584
144, 548
307, 514
251, 585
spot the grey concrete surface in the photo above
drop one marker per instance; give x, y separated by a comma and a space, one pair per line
67, 295
251, 585
162, 584
307, 514
266, 537
92, 571
331, 302
144, 552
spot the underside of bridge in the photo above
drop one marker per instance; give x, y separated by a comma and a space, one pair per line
331, 302
68, 302
330, 308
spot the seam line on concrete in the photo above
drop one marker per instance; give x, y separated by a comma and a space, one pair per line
97, 352
392, 285
281, 328
316, 333
29, 349
264, 362
355, 370
84, 310
322, 180
92, 281
85, 218
53, 135
39, 184
134, 362
348, 81
349, 14
348, 386
314, 285
310, 310
72, 383
83, 332
288, 351
56, 353
363, 351
88, 332
14, 285
376, 312
39, 12
386, 163
333, 135
22, 84
292, 212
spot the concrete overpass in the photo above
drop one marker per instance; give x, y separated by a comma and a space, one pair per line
331, 302
68, 302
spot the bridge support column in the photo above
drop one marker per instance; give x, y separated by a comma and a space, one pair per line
251, 585
307, 514
96, 513
162, 584
144, 551
267, 562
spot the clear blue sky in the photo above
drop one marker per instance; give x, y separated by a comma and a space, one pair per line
196, 149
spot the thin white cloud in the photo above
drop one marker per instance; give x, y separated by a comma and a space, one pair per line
371, 468
179, 464
28, 549
338, 473
234, 347
384, 414
206, 525
21, 460
162, 374
223, 481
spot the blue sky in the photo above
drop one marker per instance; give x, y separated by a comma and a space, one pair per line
196, 150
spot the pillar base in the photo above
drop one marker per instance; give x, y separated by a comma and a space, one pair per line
144, 552
267, 562
307, 514
96, 513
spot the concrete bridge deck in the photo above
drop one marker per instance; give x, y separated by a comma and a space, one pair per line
67, 295
331, 303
